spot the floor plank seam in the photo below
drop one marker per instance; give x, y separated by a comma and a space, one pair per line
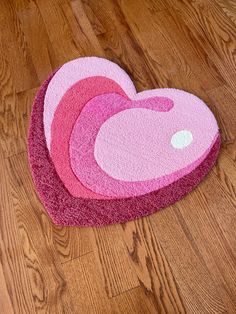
123, 292
77, 257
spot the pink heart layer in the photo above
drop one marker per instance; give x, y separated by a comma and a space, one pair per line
70, 107
90, 118
122, 152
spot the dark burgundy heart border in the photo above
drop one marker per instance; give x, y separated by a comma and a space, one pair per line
66, 210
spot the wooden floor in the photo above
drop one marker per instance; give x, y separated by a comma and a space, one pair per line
180, 260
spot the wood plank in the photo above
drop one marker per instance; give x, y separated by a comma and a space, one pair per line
226, 172
213, 31
229, 8
73, 37
156, 6
14, 121
15, 49
17, 290
89, 295
36, 234
6, 305
82, 29
224, 103
196, 285
72, 242
206, 220
152, 267
38, 41
85, 285
118, 41
169, 46
62, 40
135, 301
6, 80
210, 224
113, 260
222, 205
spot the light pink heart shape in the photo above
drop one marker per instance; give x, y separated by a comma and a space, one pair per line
82, 210
103, 162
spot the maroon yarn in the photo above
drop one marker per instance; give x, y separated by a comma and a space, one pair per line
64, 209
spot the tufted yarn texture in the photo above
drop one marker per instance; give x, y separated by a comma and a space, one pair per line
73, 209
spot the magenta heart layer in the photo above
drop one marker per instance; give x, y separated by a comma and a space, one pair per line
100, 153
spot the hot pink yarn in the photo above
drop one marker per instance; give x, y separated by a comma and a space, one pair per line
67, 210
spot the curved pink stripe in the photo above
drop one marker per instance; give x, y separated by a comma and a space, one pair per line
72, 72
65, 116
83, 137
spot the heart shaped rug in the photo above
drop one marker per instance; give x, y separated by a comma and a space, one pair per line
101, 153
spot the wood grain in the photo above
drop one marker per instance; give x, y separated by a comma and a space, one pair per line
180, 260
213, 31
43, 266
41, 49
173, 60
222, 98
84, 281
152, 267
16, 49
15, 285
229, 8
14, 118
118, 41
72, 242
113, 260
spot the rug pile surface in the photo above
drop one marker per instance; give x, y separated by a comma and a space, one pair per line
101, 153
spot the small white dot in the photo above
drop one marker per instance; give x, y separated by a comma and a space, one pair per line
181, 139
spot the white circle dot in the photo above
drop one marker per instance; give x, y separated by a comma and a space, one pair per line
181, 139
